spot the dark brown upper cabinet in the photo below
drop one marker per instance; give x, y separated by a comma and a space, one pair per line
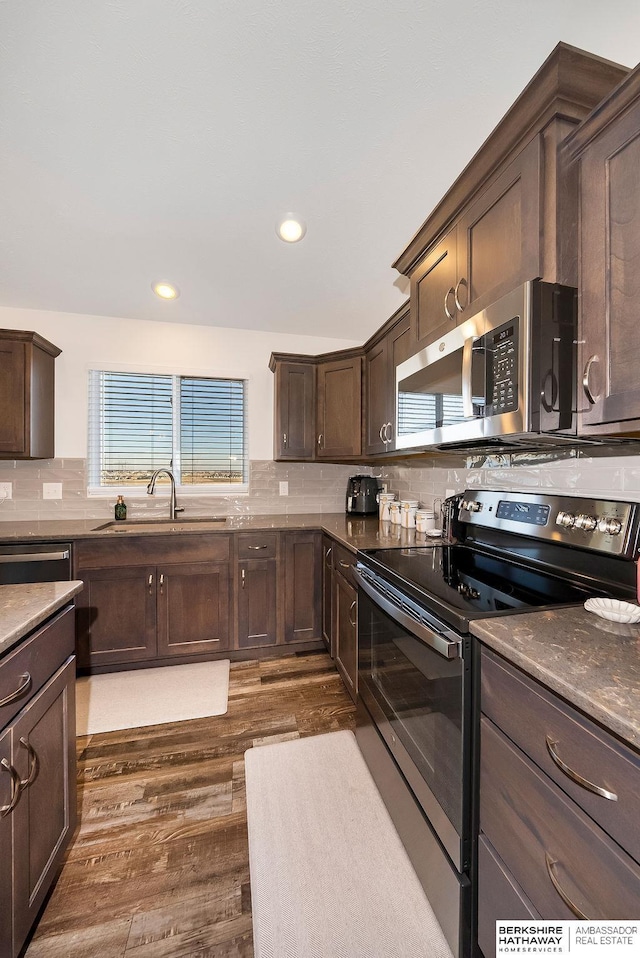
294, 433
510, 216
605, 154
27, 399
339, 408
382, 354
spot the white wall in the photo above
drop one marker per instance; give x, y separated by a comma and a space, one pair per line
105, 342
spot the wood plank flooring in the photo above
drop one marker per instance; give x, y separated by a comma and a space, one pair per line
159, 866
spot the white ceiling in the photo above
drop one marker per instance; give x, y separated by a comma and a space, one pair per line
160, 139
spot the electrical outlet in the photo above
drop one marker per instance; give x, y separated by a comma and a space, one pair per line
284, 488
6, 490
52, 490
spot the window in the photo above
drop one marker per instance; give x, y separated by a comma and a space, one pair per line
141, 422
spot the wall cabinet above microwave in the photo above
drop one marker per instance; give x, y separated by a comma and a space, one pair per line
27, 395
510, 216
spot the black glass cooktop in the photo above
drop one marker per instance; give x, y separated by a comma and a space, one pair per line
470, 583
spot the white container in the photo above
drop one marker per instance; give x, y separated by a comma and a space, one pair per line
408, 509
394, 513
425, 519
384, 502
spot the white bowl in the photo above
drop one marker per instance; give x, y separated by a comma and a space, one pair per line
614, 610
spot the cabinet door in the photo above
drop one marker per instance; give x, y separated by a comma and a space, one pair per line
13, 393
45, 816
6, 872
499, 235
339, 409
256, 604
294, 411
193, 608
433, 281
377, 393
327, 592
345, 632
399, 348
609, 275
116, 616
302, 586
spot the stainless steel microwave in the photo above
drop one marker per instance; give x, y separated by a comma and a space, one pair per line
505, 376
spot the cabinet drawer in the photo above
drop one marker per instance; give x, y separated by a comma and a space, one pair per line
554, 851
150, 550
499, 897
541, 724
33, 663
257, 545
344, 561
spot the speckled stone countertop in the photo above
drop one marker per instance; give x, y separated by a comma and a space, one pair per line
24, 607
355, 533
592, 663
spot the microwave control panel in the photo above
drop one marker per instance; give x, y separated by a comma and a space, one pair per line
501, 346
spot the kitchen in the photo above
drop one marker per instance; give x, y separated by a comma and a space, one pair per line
281, 488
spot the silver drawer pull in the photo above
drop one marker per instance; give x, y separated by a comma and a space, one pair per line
256, 548
25, 683
551, 863
15, 788
33, 763
351, 608
575, 776
345, 565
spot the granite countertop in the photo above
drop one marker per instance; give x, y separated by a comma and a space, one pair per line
355, 533
592, 663
24, 607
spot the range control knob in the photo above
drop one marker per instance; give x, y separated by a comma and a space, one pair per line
566, 520
612, 527
474, 506
588, 523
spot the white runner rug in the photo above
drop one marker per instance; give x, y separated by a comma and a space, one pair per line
330, 877
139, 697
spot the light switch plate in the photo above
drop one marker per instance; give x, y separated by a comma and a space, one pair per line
52, 490
6, 490
284, 488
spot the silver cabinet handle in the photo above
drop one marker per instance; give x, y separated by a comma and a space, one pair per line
284, 439
320, 439
242, 577
256, 548
150, 583
25, 684
585, 379
161, 584
351, 608
381, 432
327, 554
449, 315
345, 565
575, 776
15, 788
389, 432
459, 306
33, 763
551, 863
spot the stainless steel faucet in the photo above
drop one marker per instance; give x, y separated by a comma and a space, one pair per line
173, 507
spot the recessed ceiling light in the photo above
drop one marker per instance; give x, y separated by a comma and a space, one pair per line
290, 228
165, 290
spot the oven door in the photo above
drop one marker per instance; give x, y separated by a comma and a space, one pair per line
415, 684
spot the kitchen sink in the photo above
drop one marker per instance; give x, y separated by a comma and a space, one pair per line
182, 524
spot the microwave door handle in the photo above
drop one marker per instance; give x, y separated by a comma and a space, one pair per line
467, 360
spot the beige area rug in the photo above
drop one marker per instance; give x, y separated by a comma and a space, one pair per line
330, 877
174, 693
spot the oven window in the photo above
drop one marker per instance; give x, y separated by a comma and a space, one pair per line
419, 697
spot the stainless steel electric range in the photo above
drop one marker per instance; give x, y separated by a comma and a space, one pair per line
504, 553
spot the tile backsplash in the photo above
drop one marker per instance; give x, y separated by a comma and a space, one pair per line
320, 487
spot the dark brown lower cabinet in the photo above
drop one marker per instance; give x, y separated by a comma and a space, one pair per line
345, 605
327, 593
257, 603
37, 799
558, 795
192, 608
300, 574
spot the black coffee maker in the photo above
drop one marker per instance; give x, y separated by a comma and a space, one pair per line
362, 496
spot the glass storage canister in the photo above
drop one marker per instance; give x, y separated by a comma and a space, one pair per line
394, 512
384, 502
408, 509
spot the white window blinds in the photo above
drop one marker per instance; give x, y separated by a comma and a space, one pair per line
140, 422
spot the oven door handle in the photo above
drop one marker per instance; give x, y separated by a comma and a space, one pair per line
448, 648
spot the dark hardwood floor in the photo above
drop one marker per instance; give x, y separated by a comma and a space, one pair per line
159, 866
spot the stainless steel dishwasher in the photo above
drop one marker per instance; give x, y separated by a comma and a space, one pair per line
35, 562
